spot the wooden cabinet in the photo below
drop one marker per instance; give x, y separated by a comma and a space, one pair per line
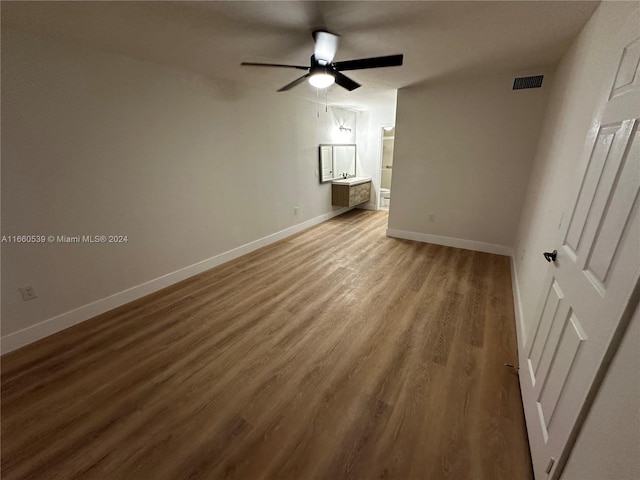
350, 195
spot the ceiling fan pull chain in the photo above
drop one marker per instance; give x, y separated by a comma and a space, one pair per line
318, 102
326, 106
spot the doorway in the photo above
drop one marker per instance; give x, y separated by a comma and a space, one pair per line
386, 166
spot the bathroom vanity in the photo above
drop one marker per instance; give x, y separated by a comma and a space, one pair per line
352, 191
337, 162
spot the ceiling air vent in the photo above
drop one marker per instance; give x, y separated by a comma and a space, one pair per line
527, 82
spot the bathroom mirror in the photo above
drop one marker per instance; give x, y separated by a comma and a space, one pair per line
335, 160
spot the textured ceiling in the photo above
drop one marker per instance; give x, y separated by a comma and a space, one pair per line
212, 38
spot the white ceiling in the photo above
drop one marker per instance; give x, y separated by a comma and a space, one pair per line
212, 38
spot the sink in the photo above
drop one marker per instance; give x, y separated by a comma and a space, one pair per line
352, 181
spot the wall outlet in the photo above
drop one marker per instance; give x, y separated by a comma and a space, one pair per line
295, 210
28, 293
432, 217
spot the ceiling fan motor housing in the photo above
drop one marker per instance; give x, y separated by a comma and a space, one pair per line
318, 68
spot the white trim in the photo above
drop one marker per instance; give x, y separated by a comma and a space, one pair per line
517, 307
65, 320
381, 128
451, 242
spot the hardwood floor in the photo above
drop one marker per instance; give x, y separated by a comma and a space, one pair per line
336, 353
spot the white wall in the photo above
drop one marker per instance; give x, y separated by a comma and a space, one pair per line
608, 444
96, 143
463, 151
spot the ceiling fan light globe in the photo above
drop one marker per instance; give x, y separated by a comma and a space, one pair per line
321, 80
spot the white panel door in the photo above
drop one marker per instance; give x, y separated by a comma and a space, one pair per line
592, 279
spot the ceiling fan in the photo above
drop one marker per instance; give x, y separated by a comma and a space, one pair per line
323, 71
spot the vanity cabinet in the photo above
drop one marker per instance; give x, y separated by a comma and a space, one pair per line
350, 195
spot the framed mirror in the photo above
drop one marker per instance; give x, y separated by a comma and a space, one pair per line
336, 160
326, 163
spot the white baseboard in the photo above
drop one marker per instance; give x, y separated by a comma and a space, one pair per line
65, 320
517, 306
451, 242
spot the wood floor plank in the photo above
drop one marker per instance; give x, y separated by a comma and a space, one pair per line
337, 353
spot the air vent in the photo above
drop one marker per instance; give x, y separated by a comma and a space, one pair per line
528, 82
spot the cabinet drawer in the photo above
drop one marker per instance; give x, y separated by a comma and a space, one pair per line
348, 196
362, 193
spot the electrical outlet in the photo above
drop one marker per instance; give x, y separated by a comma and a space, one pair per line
295, 210
28, 293
432, 217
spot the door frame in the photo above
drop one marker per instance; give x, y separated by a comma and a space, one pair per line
378, 176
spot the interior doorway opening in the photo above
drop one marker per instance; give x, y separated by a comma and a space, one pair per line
386, 166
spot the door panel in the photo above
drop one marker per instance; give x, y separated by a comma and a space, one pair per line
572, 338
618, 214
549, 317
599, 182
591, 182
628, 74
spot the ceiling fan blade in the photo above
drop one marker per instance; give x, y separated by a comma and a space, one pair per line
345, 82
326, 45
253, 64
297, 81
373, 62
